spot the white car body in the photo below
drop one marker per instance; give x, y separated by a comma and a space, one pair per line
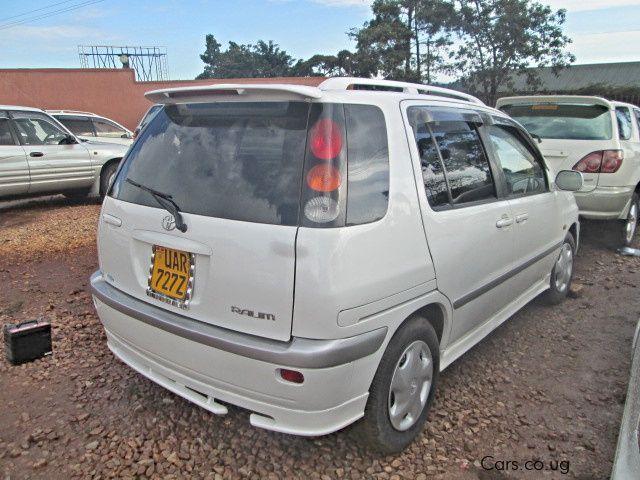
97, 129
31, 166
604, 196
325, 302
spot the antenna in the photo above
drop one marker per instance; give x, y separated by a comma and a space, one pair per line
149, 63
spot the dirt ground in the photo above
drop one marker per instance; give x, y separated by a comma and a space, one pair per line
545, 390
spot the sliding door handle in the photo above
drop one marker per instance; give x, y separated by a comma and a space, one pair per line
522, 217
504, 222
36, 154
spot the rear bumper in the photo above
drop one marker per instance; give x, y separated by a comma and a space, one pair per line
206, 364
605, 203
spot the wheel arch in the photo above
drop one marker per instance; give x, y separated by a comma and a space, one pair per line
109, 162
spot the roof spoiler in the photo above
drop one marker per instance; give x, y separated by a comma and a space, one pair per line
578, 99
230, 90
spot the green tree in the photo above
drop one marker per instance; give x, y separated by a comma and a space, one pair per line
406, 39
264, 59
501, 37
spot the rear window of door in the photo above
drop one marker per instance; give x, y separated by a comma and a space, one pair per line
455, 167
522, 172
6, 137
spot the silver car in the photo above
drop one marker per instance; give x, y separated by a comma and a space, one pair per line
626, 465
38, 155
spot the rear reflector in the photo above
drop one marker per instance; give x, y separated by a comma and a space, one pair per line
326, 139
324, 178
601, 161
291, 376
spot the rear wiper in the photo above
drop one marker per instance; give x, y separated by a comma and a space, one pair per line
166, 201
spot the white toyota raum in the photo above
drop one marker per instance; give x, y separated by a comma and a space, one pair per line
317, 255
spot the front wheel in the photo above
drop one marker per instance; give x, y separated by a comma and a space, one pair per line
403, 388
630, 225
562, 273
107, 176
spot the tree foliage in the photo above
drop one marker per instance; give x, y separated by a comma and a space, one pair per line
501, 37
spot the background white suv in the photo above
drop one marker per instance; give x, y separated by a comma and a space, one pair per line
594, 136
89, 126
320, 254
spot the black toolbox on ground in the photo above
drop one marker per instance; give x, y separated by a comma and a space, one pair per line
27, 341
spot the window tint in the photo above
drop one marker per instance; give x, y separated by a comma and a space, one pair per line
107, 129
432, 172
5, 131
368, 164
564, 121
239, 161
78, 126
38, 129
624, 122
522, 172
455, 168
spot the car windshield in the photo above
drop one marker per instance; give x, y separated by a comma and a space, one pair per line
564, 121
239, 161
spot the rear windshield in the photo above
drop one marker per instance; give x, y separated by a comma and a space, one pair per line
564, 121
238, 161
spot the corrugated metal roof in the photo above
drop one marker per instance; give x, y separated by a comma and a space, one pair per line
623, 74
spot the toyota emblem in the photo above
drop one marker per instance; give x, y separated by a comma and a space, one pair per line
168, 223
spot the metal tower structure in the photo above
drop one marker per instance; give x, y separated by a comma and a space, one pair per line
149, 63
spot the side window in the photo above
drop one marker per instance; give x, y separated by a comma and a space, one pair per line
78, 126
6, 138
38, 129
636, 112
624, 122
107, 129
368, 164
522, 172
455, 168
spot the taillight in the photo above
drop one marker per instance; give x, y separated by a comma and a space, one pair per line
324, 178
326, 139
292, 376
601, 161
324, 198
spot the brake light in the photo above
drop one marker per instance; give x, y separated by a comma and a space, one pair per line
324, 178
611, 161
601, 161
326, 139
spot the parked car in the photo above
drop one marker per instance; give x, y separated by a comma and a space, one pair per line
597, 137
89, 126
626, 465
146, 118
39, 155
320, 254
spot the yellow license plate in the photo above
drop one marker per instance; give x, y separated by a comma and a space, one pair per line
171, 273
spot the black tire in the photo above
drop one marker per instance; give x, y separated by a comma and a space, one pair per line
105, 175
556, 295
629, 226
375, 431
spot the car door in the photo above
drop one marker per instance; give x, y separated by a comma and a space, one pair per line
54, 163
469, 226
539, 227
14, 169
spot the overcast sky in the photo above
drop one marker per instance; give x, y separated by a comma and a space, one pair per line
602, 30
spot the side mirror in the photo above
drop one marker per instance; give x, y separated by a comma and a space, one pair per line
125, 135
68, 140
569, 180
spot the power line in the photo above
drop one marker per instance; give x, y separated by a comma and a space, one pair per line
34, 11
49, 14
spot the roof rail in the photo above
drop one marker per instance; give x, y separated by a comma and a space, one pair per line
353, 83
71, 112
